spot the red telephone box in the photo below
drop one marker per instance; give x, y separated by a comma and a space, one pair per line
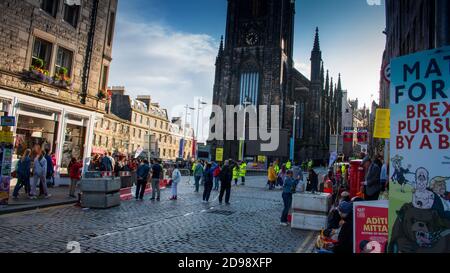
356, 177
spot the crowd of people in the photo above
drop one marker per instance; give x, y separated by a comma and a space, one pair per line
35, 169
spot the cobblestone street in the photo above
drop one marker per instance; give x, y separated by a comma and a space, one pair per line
249, 225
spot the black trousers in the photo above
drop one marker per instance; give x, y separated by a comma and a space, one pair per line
225, 188
140, 188
207, 191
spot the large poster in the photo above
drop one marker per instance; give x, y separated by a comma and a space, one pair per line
370, 226
419, 208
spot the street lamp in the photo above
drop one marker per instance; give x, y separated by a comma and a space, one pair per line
294, 125
199, 107
246, 103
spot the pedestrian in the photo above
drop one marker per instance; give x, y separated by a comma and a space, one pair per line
225, 182
208, 179
313, 181
106, 164
281, 176
373, 183
39, 173
176, 179
142, 179
23, 174
74, 167
243, 172
113, 162
271, 177
50, 169
289, 165
198, 173
157, 174
235, 173
289, 187
216, 174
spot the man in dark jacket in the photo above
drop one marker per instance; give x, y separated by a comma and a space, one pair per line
106, 164
373, 182
225, 177
142, 178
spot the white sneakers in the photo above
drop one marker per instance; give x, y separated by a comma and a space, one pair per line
283, 224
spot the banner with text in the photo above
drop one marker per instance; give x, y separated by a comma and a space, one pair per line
419, 200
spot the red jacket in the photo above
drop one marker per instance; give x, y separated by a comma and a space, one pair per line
75, 170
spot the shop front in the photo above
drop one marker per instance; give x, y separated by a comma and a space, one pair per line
64, 130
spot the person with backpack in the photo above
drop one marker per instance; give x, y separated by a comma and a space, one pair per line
23, 174
216, 174
289, 187
225, 182
39, 173
50, 169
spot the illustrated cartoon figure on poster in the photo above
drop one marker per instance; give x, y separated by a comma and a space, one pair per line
422, 197
439, 187
400, 172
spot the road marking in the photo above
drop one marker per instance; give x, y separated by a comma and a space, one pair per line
187, 214
306, 242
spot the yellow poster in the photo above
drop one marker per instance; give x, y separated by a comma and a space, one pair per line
219, 154
261, 159
382, 128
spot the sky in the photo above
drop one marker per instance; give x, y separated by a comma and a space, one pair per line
167, 48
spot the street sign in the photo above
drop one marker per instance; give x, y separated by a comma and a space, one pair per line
387, 72
219, 154
382, 128
8, 121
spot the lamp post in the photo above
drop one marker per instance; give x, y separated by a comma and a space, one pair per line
199, 107
294, 125
187, 107
245, 104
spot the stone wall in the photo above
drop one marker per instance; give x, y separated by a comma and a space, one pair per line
21, 21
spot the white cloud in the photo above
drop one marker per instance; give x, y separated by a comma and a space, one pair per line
173, 67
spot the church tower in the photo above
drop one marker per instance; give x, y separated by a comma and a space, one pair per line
255, 61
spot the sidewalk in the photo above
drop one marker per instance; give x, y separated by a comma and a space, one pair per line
60, 196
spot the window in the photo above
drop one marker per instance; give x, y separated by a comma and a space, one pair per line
249, 88
71, 13
161, 125
112, 22
105, 78
148, 122
135, 117
100, 140
107, 141
94, 142
142, 119
156, 123
42, 52
50, 6
140, 133
63, 62
134, 132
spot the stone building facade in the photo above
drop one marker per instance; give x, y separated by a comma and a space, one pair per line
111, 134
255, 66
54, 62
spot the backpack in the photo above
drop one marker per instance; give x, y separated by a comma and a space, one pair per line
216, 172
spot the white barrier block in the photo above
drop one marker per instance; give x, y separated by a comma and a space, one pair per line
318, 202
309, 221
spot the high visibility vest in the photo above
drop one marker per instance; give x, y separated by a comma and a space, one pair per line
243, 170
193, 166
235, 173
288, 165
277, 169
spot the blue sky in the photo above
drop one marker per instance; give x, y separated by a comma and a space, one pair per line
167, 48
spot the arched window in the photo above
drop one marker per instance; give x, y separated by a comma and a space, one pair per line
249, 87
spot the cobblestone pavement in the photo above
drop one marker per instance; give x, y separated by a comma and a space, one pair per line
249, 225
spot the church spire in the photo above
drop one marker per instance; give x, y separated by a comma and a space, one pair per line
327, 84
316, 41
339, 86
322, 75
221, 45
